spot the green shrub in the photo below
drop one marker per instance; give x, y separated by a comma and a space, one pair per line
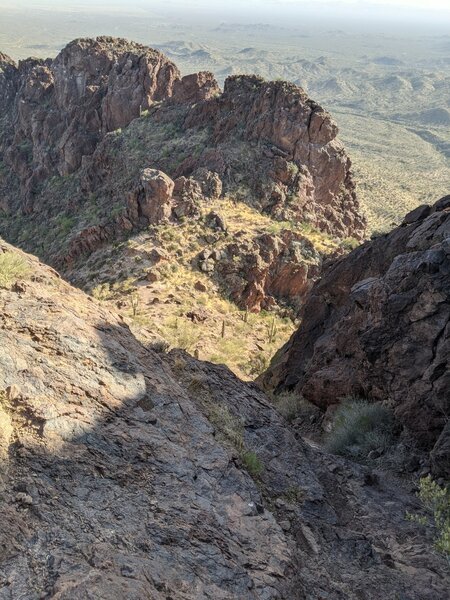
252, 463
64, 224
436, 501
12, 268
360, 427
349, 243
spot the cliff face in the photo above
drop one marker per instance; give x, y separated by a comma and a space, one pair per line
58, 110
126, 474
308, 167
376, 325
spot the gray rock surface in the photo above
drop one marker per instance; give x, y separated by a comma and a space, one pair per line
123, 476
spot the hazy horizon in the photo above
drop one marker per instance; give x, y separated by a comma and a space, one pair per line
381, 12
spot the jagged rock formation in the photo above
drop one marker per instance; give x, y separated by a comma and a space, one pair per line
122, 476
62, 124
268, 269
63, 107
376, 325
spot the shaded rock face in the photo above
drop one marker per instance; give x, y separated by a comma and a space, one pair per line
376, 325
8, 81
117, 481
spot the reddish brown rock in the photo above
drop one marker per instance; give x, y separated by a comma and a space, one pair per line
376, 325
76, 152
279, 116
196, 87
63, 107
155, 197
269, 269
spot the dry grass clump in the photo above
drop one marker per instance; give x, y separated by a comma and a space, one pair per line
12, 268
360, 427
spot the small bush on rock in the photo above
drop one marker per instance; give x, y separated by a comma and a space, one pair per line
287, 404
436, 500
12, 268
160, 346
252, 463
360, 428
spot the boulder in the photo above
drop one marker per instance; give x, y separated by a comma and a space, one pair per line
155, 195
195, 88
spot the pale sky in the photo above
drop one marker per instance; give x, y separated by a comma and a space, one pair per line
379, 6
425, 4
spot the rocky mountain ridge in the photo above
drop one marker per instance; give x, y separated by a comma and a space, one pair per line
127, 474
106, 146
57, 115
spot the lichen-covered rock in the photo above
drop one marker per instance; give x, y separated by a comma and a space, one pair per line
377, 325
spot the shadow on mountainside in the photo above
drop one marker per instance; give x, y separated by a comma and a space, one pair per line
117, 486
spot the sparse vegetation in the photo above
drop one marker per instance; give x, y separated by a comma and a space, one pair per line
101, 292
12, 268
160, 347
294, 495
436, 501
287, 404
252, 463
229, 426
360, 427
181, 333
349, 243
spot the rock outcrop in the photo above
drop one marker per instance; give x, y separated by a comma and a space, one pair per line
376, 325
309, 171
154, 196
63, 107
267, 270
125, 474
67, 121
